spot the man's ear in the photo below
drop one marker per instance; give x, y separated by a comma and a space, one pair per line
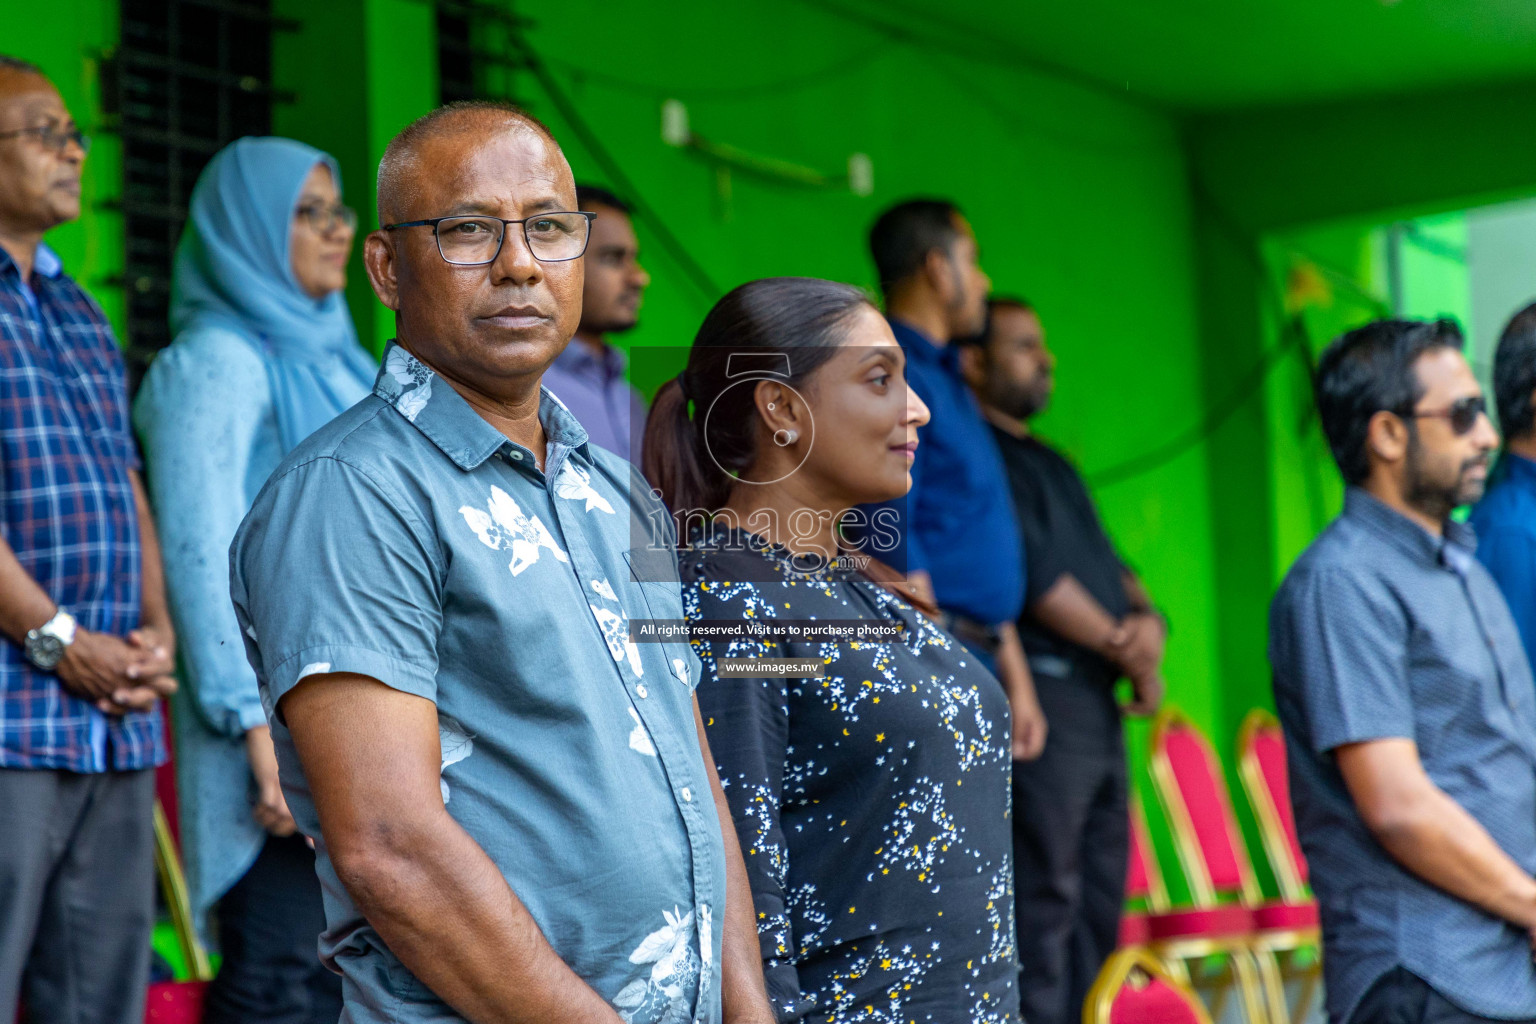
1386, 437
379, 260
973, 365
939, 275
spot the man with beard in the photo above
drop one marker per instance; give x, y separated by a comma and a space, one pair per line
1087, 623
1409, 714
588, 374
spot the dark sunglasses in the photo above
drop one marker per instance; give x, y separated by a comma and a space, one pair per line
1462, 414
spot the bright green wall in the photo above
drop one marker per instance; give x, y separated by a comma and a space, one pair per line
1078, 199
1157, 249
360, 71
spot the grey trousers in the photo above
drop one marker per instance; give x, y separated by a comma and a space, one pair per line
77, 895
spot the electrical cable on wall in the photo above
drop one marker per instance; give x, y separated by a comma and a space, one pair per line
1294, 339
1161, 455
695, 272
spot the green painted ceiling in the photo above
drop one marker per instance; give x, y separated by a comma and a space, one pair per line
1203, 55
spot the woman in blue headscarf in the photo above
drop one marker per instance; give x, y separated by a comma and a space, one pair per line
264, 354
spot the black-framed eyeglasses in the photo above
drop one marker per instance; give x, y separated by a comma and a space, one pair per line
325, 217
54, 136
476, 241
1462, 414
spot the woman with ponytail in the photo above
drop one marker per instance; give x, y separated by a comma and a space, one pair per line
871, 801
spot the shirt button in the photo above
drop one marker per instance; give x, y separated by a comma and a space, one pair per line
642, 691
517, 456
687, 794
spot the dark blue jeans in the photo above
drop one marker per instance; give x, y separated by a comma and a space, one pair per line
269, 928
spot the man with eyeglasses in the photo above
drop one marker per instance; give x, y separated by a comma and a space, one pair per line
516, 814
1409, 712
88, 643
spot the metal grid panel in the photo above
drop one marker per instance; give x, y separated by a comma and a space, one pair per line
477, 52
188, 77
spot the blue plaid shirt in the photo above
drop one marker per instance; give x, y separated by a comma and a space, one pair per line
67, 510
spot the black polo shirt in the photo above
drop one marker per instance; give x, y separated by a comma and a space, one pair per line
1062, 534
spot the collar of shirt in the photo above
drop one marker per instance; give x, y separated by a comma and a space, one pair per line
920, 348
449, 422
45, 263
577, 358
1454, 550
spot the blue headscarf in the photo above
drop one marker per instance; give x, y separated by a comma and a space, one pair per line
232, 271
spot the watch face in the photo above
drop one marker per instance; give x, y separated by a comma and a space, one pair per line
44, 651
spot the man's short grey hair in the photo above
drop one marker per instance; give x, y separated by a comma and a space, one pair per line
26, 67
393, 188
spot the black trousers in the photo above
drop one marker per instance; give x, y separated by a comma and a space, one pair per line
269, 925
77, 894
1402, 997
1071, 836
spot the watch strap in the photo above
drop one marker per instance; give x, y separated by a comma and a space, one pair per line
61, 627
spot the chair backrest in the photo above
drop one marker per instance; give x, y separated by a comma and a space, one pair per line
1135, 988
173, 887
1143, 879
165, 777
1261, 764
1193, 791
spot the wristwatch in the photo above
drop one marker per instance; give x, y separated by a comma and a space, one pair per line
44, 646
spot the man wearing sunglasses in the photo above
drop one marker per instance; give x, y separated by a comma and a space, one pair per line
516, 815
86, 649
1505, 520
1408, 706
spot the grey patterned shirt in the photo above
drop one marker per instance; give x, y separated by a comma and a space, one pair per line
1383, 630
410, 541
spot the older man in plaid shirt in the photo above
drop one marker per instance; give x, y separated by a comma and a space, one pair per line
87, 642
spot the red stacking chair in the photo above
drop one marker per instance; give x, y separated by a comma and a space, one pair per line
1291, 923
1135, 988
1223, 891
1144, 891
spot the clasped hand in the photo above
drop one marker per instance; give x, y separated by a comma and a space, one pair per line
120, 675
1137, 646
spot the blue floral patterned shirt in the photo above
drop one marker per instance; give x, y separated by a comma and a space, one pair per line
411, 542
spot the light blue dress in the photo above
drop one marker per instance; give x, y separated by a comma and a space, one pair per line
255, 367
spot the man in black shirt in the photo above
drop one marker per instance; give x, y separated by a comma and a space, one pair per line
1087, 623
